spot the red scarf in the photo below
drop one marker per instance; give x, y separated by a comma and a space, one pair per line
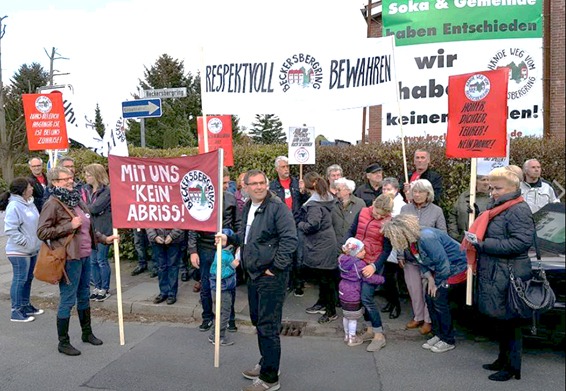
480, 226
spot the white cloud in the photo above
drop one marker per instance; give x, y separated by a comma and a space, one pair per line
108, 43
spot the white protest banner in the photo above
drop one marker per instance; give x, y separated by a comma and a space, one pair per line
297, 75
114, 141
302, 145
441, 39
79, 128
485, 165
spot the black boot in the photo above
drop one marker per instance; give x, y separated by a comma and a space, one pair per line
387, 308
497, 365
65, 346
505, 374
395, 311
88, 336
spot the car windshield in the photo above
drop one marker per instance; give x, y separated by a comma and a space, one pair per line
551, 231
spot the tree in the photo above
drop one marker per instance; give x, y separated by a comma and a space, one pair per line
177, 126
98, 122
13, 145
267, 129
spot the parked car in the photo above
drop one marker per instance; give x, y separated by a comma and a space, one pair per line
551, 236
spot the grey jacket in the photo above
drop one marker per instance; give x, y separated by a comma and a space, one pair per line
429, 215
20, 226
458, 217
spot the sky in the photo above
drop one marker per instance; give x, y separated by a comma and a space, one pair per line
108, 43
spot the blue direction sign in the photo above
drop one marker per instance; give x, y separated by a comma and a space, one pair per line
141, 108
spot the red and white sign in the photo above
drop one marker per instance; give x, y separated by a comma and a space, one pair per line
219, 136
165, 192
45, 121
477, 114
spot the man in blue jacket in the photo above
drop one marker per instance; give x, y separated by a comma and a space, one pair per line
267, 240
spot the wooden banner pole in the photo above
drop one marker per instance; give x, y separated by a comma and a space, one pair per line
470, 273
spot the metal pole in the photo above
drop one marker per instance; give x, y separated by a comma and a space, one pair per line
142, 133
364, 111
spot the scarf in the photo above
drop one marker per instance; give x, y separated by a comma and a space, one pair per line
68, 197
479, 227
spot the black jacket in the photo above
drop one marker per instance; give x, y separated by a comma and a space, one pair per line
298, 198
435, 180
230, 219
320, 245
272, 238
99, 207
507, 241
367, 193
38, 191
178, 236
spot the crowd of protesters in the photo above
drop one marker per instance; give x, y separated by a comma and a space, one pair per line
347, 239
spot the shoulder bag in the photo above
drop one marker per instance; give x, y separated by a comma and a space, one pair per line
50, 265
529, 299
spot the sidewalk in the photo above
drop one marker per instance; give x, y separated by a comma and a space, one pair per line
138, 293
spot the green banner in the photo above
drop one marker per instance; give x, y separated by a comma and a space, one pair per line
418, 22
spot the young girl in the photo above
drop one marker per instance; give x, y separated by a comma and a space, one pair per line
350, 264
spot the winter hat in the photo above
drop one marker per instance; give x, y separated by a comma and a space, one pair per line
353, 246
228, 232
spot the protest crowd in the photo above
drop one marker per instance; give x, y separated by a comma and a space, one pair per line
346, 239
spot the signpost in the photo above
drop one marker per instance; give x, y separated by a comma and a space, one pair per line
165, 93
141, 108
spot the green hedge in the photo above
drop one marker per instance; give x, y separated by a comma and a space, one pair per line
354, 159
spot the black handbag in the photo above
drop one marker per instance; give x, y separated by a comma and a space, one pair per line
529, 299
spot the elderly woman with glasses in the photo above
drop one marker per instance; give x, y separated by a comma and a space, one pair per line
348, 207
62, 215
422, 195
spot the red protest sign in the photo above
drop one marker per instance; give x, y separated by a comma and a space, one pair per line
45, 121
219, 136
477, 114
165, 192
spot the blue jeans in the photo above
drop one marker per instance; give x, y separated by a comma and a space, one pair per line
266, 295
439, 311
141, 245
372, 312
206, 257
21, 281
168, 257
100, 268
77, 290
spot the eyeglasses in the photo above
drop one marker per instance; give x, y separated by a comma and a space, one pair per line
64, 179
253, 184
37, 166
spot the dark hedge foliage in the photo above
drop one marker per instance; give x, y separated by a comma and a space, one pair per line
354, 159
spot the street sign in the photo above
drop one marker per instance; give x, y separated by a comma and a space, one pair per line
165, 93
141, 108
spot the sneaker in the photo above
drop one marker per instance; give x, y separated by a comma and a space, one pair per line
441, 347
139, 270
171, 300
153, 273
31, 310
20, 316
354, 340
299, 292
430, 343
232, 327
260, 385
316, 309
93, 294
253, 373
367, 335
184, 276
223, 341
205, 325
376, 344
327, 318
102, 295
